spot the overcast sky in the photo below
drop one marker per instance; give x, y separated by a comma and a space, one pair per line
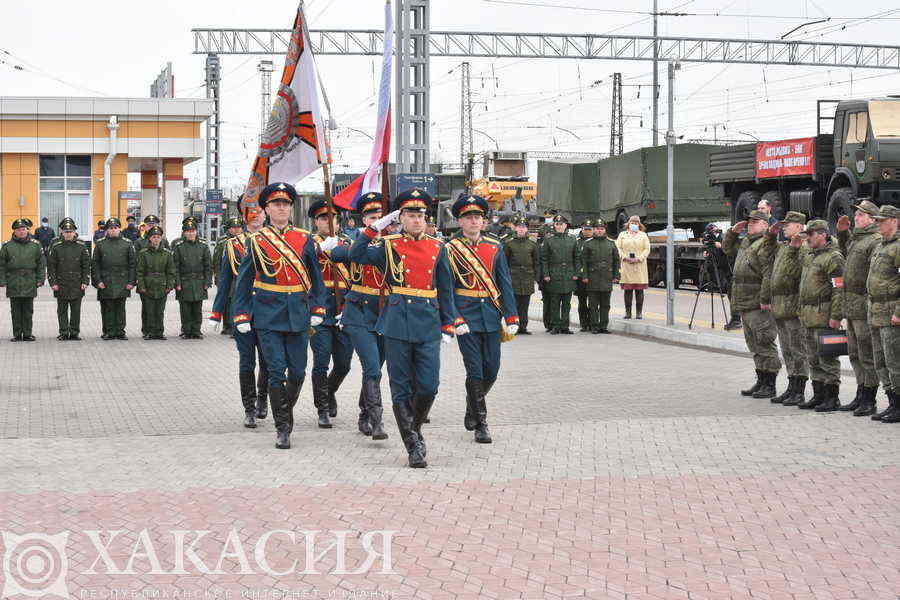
107, 48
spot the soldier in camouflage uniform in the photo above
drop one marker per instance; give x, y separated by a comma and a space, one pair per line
193, 277
599, 270
753, 266
233, 228
584, 313
69, 273
883, 287
781, 292
524, 263
559, 268
857, 248
821, 308
155, 279
22, 273
112, 273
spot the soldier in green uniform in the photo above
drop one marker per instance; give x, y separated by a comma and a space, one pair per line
782, 293
155, 279
233, 228
599, 270
524, 263
584, 313
821, 308
22, 273
69, 274
753, 266
142, 241
112, 273
193, 277
559, 268
883, 287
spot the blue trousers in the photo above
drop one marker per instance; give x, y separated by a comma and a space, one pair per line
330, 343
284, 351
481, 354
369, 348
248, 347
412, 366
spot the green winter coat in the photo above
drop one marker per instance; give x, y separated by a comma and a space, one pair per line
524, 263
21, 267
144, 242
155, 272
113, 265
559, 263
821, 297
599, 264
883, 284
193, 270
69, 267
752, 266
857, 247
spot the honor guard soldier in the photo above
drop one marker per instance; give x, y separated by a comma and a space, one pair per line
234, 227
559, 268
753, 266
522, 257
599, 270
113, 274
584, 313
484, 298
857, 247
193, 277
155, 272
22, 273
329, 344
418, 315
883, 287
362, 306
279, 290
69, 274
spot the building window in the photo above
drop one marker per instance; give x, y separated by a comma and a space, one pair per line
65, 190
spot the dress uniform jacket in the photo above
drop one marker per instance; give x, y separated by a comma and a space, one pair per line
155, 272
234, 249
367, 288
69, 267
113, 265
473, 301
21, 267
336, 279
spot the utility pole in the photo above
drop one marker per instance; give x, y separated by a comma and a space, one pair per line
670, 200
616, 128
265, 76
465, 116
655, 77
213, 137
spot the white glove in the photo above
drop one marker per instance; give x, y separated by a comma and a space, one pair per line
315, 321
462, 329
243, 327
385, 220
337, 320
512, 329
329, 243
446, 338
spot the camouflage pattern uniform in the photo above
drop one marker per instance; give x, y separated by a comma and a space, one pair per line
883, 287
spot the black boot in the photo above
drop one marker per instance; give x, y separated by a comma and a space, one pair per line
334, 382
404, 416
374, 409
482, 434
767, 389
320, 399
857, 400
734, 323
291, 393
753, 389
363, 424
788, 393
831, 402
817, 398
248, 397
421, 407
892, 414
262, 398
278, 398
867, 404
639, 304
473, 388
799, 393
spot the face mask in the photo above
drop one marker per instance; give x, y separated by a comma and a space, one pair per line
633, 227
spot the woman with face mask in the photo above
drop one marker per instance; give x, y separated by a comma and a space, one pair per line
634, 248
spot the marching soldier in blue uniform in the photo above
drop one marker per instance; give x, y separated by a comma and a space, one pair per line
279, 291
419, 313
484, 297
362, 306
254, 388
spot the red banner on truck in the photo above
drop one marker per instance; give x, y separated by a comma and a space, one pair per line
787, 157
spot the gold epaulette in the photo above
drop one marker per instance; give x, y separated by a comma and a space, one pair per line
490, 238
393, 236
300, 230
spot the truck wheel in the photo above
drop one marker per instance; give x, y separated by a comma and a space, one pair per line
746, 202
776, 202
841, 203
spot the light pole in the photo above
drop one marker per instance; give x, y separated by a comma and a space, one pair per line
670, 200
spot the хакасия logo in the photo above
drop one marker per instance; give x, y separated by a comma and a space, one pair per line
35, 565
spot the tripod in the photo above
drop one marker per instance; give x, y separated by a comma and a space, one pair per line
710, 281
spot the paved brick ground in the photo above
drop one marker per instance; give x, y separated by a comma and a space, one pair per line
621, 468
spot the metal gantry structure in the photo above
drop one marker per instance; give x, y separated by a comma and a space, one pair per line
465, 115
265, 69
617, 127
213, 123
413, 107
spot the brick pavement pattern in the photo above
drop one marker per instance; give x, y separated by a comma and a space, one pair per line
621, 468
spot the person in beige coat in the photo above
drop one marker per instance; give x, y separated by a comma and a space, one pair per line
634, 248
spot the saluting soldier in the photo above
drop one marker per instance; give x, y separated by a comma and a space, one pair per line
193, 277
112, 273
559, 268
753, 266
883, 287
522, 257
821, 308
584, 312
22, 273
419, 314
234, 227
155, 279
599, 270
279, 290
857, 247
69, 274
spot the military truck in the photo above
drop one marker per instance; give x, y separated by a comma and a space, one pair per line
819, 176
